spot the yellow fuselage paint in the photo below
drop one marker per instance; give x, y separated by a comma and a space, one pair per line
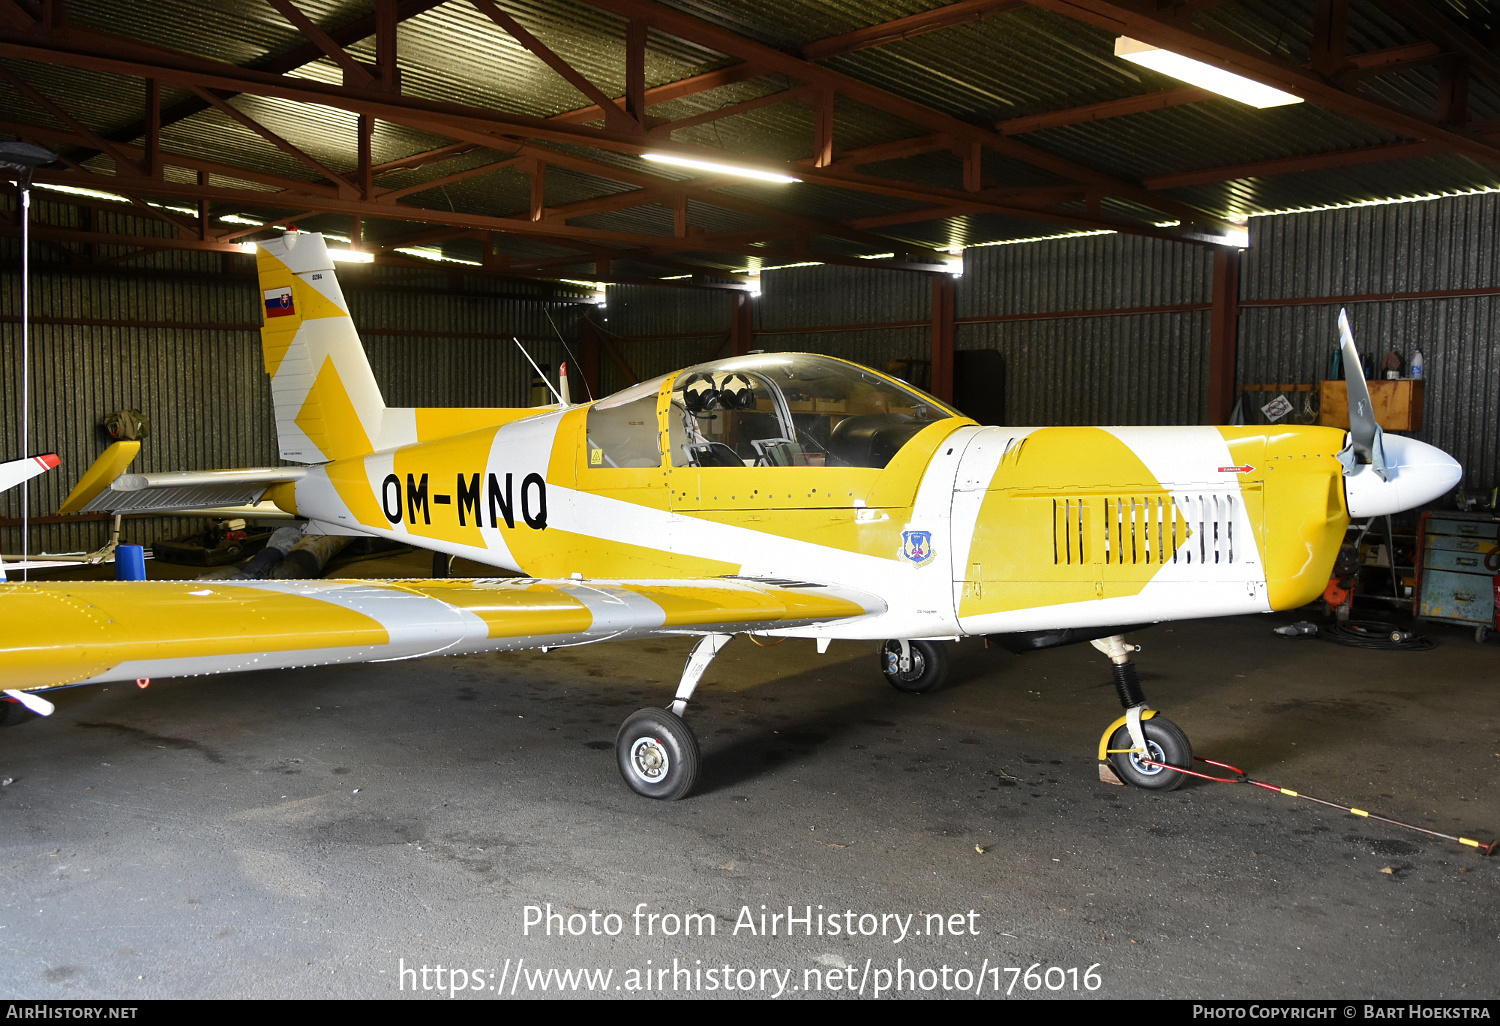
1302, 502
1071, 515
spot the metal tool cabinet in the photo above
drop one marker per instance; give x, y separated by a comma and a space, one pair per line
1454, 582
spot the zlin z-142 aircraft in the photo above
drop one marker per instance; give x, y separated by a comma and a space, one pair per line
778, 494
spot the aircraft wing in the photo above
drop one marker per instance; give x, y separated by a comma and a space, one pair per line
87, 632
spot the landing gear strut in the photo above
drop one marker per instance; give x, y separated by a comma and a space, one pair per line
1134, 746
656, 751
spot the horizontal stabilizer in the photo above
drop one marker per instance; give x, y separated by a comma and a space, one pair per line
109, 466
184, 490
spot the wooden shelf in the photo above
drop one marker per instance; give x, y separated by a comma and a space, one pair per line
1397, 404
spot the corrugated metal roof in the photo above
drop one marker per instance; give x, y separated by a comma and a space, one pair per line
1017, 63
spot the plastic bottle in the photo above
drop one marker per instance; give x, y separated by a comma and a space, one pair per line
1416, 364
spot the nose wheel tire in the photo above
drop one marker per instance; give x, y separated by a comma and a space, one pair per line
657, 754
1165, 742
925, 669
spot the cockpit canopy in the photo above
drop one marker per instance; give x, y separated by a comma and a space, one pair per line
764, 410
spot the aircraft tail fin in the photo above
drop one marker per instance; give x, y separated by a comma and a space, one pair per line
328, 405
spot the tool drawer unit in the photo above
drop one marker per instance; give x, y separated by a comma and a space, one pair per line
1455, 583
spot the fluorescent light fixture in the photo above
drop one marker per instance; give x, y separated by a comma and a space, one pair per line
1042, 238
1205, 76
248, 248
351, 256
598, 295
723, 169
956, 265
783, 267
240, 219
433, 253
77, 190
1419, 198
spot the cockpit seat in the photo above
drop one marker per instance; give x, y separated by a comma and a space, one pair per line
712, 454
871, 439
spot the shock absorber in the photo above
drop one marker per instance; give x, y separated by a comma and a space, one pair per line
1128, 685
1127, 681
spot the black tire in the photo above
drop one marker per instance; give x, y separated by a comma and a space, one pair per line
928, 670
657, 754
13, 713
1167, 743
442, 564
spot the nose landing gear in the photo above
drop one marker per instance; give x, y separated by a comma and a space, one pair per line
1139, 747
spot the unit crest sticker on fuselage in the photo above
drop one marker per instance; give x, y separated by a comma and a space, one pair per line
916, 547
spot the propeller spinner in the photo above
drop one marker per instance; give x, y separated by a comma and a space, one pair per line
1385, 475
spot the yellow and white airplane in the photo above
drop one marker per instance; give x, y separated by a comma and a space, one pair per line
780, 494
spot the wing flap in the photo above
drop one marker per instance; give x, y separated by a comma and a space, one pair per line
64, 633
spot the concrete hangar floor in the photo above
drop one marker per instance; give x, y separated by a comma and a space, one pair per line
334, 832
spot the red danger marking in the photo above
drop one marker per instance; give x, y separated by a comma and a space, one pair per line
1236, 470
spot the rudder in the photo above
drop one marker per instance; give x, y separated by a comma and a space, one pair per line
328, 405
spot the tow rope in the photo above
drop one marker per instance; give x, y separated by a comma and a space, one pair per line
1241, 777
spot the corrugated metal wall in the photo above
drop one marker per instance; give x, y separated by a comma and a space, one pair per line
203, 385
1431, 246
663, 329
1115, 369
1142, 368
1151, 367
809, 297
207, 396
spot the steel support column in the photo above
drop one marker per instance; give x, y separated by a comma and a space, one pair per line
588, 357
1223, 350
941, 381
741, 330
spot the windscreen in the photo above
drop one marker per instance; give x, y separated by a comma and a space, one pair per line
793, 410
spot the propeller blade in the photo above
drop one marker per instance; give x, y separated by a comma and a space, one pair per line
1364, 431
16, 471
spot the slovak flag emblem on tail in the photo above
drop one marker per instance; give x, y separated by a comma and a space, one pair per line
279, 302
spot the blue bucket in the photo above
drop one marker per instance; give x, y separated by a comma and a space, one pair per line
130, 563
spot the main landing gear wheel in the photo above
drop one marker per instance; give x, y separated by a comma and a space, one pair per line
1165, 742
923, 667
657, 754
